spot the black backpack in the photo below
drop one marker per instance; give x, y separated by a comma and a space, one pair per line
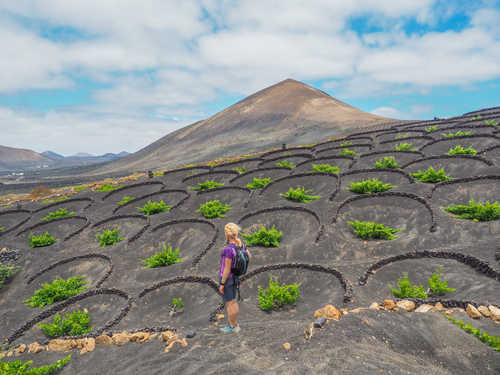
241, 260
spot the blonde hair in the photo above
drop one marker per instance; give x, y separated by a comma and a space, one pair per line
232, 230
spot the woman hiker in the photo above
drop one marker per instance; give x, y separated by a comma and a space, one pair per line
227, 286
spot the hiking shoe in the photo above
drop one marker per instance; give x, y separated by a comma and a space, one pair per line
235, 329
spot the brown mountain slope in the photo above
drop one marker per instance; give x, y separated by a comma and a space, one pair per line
289, 112
11, 158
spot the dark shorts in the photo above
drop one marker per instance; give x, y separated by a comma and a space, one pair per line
229, 290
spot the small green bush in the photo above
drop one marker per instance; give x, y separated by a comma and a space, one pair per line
207, 185
326, 168
152, 208
80, 188
264, 237
437, 286
346, 143
56, 214
6, 273
125, 199
177, 303
240, 170
347, 152
285, 164
41, 240
57, 200
164, 258
108, 187
491, 123
387, 162
432, 128
457, 134
299, 195
73, 324
276, 296
406, 290
431, 176
405, 147
258, 183
485, 338
22, 368
478, 117
459, 150
58, 290
1, 229
213, 209
402, 136
109, 237
475, 211
368, 230
369, 186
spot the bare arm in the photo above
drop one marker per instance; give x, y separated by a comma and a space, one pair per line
227, 269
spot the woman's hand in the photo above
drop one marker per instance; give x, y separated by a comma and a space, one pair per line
221, 289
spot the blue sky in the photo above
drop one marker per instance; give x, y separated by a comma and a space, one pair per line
109, 76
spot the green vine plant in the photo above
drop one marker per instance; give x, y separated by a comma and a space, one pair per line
57, 200
431, 176
406, 290
73, 324
457, 134
300, 194
58, 290
402, 136
57, 214
80, 188
152, 208
108, 187
163, 258
125, 200
369, 186
325, 168
1, 229
285, 164
213, 209
240, 170
405, 147
371, 230
258, 183
437, 286
177, 303
387, 162
459, 150
41, 240
478, 117
491, 123
348, 152
475, 211
432, 128
276, 296
7, 273
264, 237
484, 337
346, 143
109, 237
23, 368
207, 185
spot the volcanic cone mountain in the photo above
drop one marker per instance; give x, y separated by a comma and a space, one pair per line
289, 112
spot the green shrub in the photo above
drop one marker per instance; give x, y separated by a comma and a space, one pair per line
478, 117
405, 147
326, 168
299, 195
1, 229
164, 258
346, 143
213, 209
347, 152
207, 185
457, 134
177, 303
459, 150
240, 170
431, 176
406, 290
56, 200
387, 162
436, 285
285, 164
73, 324
58, 290
152, 208
6, 273
475, 211
258, 183
491, 123
402, 136
108, 187
56, 214
369, 186
368, 230
80, 188
432, 128
109, 237
41, 240
125, 199
22, 368
485, 338
276, 296
263, 237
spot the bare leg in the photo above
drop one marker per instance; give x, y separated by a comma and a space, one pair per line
232, 312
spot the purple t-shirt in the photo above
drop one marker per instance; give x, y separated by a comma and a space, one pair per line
228, 252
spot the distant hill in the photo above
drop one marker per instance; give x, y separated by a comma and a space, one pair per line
289, 112
52, 155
